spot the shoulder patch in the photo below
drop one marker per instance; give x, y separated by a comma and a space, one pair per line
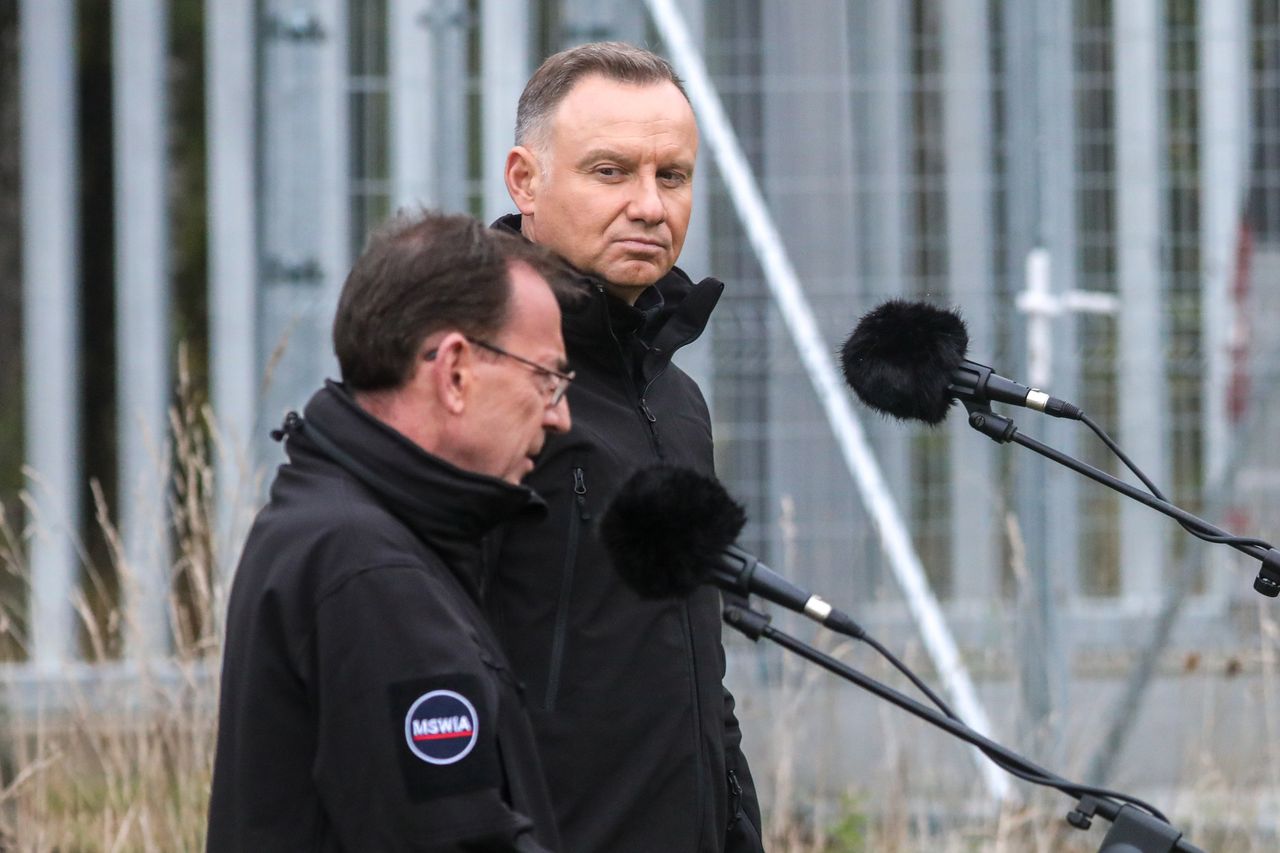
441, 727
445, 735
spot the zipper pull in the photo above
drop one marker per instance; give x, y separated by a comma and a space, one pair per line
580, 489
653, 428
735, 798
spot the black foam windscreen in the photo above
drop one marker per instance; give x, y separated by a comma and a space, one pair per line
667, 528
900, 358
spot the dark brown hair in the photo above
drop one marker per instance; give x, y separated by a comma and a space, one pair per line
420, 273
557, 75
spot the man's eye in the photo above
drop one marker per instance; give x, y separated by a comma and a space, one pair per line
674, 179
608, 171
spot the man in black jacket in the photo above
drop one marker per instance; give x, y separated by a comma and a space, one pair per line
637, 734
366, 704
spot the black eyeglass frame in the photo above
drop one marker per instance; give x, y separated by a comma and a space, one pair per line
561, 380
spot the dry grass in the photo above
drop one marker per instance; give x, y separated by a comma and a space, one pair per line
115, 781
117, 753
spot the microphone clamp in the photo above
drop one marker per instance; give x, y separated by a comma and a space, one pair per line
752, 623
1268, 580
998, 428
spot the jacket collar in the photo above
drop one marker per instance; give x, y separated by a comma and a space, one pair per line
447, 507
668, 315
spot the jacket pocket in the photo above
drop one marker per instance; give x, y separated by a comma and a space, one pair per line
741, 835
578, 516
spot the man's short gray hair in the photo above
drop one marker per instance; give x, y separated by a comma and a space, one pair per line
552, 81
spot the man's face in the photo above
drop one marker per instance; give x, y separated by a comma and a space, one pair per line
611, 186
509, 416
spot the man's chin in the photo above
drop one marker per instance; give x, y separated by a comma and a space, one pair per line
632, 277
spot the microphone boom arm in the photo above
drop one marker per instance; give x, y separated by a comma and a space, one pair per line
1133, 830
1002, 430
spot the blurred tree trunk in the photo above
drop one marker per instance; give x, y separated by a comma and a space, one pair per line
189, 242
10, 263
97, 300
187, 190
12, 588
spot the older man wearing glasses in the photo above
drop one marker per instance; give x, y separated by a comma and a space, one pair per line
366, 704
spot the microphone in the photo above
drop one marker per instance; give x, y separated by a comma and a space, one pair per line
907, 360
671, 529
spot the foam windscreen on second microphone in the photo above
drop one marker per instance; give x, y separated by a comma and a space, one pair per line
667, 528
900, 358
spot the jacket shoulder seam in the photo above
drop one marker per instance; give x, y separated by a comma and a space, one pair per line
333, 587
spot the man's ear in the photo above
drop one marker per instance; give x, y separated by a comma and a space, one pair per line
451, 372
523, 175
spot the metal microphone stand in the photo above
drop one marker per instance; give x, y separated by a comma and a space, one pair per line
1002, 430
1132, 830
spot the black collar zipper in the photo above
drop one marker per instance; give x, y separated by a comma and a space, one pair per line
653, 426
636, 394
580, 493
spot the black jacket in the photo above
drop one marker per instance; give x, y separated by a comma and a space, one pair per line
365, 703
637, 734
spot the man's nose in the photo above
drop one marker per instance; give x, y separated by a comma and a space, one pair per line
556, 418
647, 205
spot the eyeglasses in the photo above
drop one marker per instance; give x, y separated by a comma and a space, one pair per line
556, 383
